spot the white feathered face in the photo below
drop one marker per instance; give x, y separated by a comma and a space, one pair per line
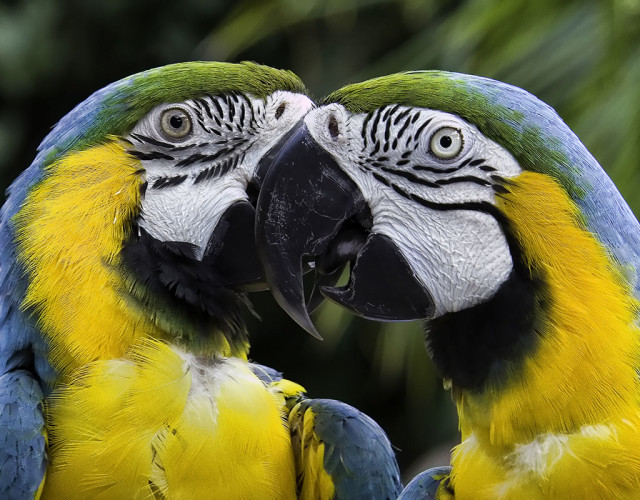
427, 181
201, 156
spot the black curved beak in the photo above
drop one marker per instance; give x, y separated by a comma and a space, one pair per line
311, 213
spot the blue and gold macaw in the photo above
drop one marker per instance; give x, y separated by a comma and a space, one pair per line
127, 249
468, 202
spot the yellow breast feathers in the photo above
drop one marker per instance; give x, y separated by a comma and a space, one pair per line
166, 424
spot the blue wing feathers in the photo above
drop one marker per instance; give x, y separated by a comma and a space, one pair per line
22, 441
23, 366
265, 374
425, 485
358, 454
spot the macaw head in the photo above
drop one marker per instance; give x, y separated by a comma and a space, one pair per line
137, 215
453, 198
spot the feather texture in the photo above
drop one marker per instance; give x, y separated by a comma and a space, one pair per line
341, 453
218, 421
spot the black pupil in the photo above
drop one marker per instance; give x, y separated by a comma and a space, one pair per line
176, 121
446, 141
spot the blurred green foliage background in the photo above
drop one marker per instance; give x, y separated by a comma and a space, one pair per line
580, 56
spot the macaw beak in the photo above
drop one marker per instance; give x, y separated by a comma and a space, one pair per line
232, 250
232, 246
310, 213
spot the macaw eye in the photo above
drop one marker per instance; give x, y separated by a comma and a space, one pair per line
175, 123
446, 143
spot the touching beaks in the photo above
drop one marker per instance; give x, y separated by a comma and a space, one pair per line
231, 247
310, 213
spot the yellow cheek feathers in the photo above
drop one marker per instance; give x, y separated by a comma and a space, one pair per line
69, 233
584, 370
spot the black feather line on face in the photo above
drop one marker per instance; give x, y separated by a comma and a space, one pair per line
463, 179
418, 133
374, 125
152, 155
193, 297
400, 116
165, 182
150, 140
410, 177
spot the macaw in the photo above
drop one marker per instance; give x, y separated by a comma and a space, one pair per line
127, 251
469, 203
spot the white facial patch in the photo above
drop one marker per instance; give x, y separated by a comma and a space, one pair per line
430, 180
190, 212
192, 178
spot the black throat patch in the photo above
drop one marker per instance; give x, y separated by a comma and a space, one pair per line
484, 345
186, 295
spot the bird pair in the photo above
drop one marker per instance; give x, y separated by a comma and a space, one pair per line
153, 207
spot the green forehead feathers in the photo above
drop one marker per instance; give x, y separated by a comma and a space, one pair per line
115, 109
178, 82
